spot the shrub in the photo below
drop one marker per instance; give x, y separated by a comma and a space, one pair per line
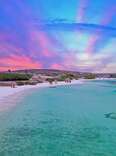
63, 77
14, 77
50, 80
90, 76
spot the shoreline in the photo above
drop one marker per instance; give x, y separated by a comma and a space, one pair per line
9, 97
8, 91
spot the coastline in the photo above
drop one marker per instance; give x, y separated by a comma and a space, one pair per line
8, 91
9, 96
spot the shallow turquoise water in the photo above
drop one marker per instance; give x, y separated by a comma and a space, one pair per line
62, 121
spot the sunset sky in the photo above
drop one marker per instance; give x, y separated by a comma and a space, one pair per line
58, 34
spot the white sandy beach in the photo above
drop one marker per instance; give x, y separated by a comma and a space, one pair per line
10, 96
6, 91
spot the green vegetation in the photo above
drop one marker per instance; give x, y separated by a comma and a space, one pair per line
14, 77
90, 76
70, 76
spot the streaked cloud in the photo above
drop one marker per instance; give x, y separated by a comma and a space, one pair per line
18, 62
43, 34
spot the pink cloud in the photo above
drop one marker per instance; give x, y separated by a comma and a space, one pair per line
6, 68
42, 43
68, 62
57, 66
18, 62
8, 48
106, 19
92, 42
109, 14
80, 16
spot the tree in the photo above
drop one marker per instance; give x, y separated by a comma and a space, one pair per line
14, 77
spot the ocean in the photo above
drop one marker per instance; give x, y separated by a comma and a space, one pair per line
73, 120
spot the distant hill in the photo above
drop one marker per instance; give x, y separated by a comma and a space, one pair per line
49, 72
55, 72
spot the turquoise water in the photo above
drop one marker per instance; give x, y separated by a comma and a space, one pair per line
62, 121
